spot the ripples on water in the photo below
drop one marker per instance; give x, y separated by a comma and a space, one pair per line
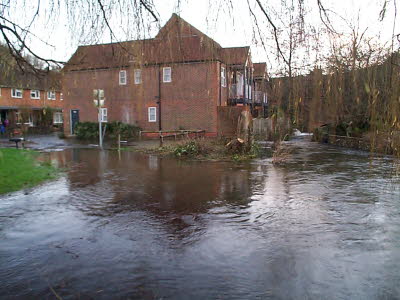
324, 225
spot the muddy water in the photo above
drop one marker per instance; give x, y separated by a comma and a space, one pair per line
326, 225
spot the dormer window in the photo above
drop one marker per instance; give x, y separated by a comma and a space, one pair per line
122, 77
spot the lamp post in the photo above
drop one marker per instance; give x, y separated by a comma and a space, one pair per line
98, 99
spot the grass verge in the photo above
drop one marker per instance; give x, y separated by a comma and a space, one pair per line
20, 169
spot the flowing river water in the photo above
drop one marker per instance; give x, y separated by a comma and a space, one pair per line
324, 225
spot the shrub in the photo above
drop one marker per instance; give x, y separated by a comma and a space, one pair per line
188, 149
87, 130
194, 148
90, 130
125, 130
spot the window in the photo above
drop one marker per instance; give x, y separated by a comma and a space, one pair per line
0, 91
51, 95
152, 114
103, 115
61, 96
35, 94
18, 117
138, 76
122, 77
223, 77
24, 118
16, 93
57, 118
167, 74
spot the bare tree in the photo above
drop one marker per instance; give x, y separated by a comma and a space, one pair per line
96, 15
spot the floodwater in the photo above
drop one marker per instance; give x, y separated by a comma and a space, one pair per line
325, 225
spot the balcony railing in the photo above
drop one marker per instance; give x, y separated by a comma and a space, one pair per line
235, 91
259, 97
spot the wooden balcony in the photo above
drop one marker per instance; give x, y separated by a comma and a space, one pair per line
237, 95
260, 98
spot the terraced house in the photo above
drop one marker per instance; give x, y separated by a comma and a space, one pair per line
27, 99
177, 80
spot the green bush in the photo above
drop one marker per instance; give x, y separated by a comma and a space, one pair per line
126, 130
90, 130
87, 130
189, 149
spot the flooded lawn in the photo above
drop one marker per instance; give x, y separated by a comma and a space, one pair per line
326, 225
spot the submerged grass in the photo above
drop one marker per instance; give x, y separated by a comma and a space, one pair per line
20, 169
203, 149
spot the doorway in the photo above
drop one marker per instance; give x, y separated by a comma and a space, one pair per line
74, 119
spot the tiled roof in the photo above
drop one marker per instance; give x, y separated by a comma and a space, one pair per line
177, 41
30, 80
12, 76
259, 70
235, 56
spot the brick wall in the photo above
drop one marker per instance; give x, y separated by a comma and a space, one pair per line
228, 117
189, 101
6, 100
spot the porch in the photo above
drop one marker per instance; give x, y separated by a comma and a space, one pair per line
33, 119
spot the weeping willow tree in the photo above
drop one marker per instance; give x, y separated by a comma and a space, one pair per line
324, 75
357, 93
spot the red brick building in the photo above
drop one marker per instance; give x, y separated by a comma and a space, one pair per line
26, 96
173, 81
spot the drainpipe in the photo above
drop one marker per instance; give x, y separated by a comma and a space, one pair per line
220, 82
244, 84
159, 98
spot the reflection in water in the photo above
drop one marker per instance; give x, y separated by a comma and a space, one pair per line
126, 225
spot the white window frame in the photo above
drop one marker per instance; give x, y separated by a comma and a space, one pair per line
61, 96
167, 77
138, 76
58, 117
223, 77
152, 117
16, 93
18, 119
51, 95
103, 115
122, 77
35, 94
30, 120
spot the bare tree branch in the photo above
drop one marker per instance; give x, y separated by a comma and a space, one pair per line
275, 31
323, 14
148, 8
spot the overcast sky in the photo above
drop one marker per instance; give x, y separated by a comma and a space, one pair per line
229, 27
